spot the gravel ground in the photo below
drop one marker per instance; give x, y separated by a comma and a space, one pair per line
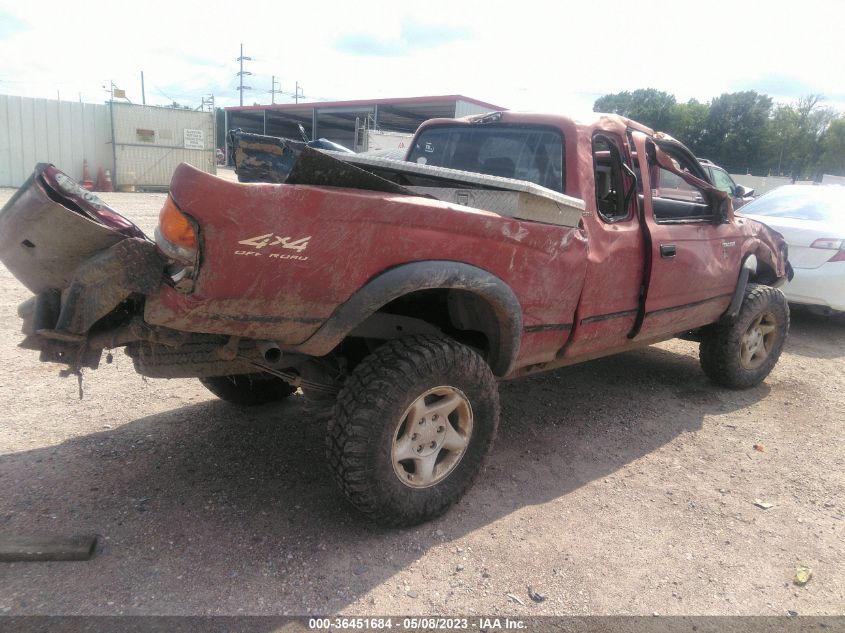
620, 486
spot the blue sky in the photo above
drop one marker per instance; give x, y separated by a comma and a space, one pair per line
533, 55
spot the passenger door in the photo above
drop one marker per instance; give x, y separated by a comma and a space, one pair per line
695, 246
611, 293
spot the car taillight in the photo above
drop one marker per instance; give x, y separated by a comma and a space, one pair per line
832, 244
175, 226
176, 237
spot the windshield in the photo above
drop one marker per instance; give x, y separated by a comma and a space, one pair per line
529, 153
801, 202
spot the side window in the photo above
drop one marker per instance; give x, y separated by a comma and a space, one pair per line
674, 199
531, 153
610, 185
722, 181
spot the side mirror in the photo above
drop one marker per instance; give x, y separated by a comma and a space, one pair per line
743, 192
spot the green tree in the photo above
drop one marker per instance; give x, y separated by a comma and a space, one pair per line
735, 129
832, 159
616, 103
777, 154
689, 123
648, 106
743, 130
793, 139
814, 120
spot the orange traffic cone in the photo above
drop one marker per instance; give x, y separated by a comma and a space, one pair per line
87, 183
107, 184
101, 180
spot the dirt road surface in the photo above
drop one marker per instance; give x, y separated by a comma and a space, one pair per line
620, 486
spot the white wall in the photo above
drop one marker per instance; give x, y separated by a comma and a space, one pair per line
761, 184
50, 131
827, 179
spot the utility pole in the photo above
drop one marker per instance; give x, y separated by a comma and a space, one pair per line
243, 72
143, 94
296, 94
273, 90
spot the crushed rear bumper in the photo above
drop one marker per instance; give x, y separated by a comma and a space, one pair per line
81, 260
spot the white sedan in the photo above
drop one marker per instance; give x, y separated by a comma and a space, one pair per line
812, 220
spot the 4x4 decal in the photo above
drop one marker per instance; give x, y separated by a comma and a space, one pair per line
271, 239
260, 241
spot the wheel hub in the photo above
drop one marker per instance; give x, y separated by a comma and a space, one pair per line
431, 437
428, 435
758, 340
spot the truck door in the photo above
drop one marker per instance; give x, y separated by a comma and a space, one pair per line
610, 297
695, 247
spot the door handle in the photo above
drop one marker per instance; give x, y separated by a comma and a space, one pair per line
667, 250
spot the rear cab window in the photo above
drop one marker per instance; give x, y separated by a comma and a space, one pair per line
523, 152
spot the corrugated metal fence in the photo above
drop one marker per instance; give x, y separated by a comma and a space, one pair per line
50, 131
150, 140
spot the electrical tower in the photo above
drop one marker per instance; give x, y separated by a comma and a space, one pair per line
243, 72
207, 104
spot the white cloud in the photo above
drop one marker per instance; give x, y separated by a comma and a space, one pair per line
538, 55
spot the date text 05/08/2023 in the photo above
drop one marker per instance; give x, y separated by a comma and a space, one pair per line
480, 624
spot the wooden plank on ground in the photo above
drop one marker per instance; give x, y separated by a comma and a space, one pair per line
15, 548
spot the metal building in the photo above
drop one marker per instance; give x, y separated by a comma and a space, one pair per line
347, 122
149, 141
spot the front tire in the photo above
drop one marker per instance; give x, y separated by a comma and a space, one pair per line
412, 427
248, 389
740, 354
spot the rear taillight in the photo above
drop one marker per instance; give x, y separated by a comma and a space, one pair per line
176, 237
175, 227
831, 244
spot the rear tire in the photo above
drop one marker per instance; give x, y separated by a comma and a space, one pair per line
412, 427
740, 353
248, 389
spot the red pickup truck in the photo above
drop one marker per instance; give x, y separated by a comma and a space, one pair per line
505, 245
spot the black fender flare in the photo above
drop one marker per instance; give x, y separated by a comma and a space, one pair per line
748, 268
426, 275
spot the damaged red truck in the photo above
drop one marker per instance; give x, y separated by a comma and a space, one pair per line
505, 245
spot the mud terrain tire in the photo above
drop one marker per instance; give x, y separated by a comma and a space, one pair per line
248, 389
740, 353
411, 429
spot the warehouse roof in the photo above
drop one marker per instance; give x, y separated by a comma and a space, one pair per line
345, 122
365, 103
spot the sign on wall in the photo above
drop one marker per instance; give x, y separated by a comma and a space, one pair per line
194, 139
